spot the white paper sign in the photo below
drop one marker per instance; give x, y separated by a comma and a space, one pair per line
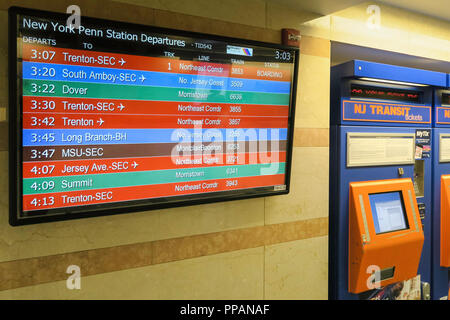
374, 149
444, 148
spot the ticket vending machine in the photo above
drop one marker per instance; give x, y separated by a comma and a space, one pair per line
380, 136
383, 222
441, 195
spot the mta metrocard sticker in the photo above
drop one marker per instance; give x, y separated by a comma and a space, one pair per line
384, 112
423, 143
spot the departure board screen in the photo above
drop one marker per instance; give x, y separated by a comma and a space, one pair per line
109, 117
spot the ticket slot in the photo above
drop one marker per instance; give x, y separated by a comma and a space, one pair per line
445, 220
385, 233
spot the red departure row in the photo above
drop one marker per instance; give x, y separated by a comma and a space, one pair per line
99, 166
75, 121
141, 107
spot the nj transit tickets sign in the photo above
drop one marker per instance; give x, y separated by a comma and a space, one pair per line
443, 115
385, 112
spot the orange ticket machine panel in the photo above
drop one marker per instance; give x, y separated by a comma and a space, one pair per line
445, 221
385, 233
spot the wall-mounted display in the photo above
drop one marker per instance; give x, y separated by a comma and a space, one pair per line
111, 117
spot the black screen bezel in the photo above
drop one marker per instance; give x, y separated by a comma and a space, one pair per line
15, 131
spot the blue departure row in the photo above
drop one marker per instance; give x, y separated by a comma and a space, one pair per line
56, 137
70, 73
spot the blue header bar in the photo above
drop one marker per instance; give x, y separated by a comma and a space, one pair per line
381, 71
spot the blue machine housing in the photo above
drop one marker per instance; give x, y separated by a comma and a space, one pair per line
342, 78
440, 275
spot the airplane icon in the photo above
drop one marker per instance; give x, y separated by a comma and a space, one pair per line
122, 62
135, 164
121, 107
100, 121
142, 78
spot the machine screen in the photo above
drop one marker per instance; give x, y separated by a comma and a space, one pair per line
446, 98
359, 91
388, 212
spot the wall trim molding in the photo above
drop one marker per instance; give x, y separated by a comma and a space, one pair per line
311, 137
40, 270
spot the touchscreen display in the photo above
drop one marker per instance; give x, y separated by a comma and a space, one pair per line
388, 212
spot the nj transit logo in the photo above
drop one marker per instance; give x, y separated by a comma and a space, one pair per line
384, 112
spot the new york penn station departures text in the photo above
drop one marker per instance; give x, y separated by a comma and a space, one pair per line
95, 32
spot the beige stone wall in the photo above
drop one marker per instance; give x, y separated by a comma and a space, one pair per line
399, 31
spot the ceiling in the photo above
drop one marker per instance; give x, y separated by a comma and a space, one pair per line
437, 8
323, 7
342, 52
